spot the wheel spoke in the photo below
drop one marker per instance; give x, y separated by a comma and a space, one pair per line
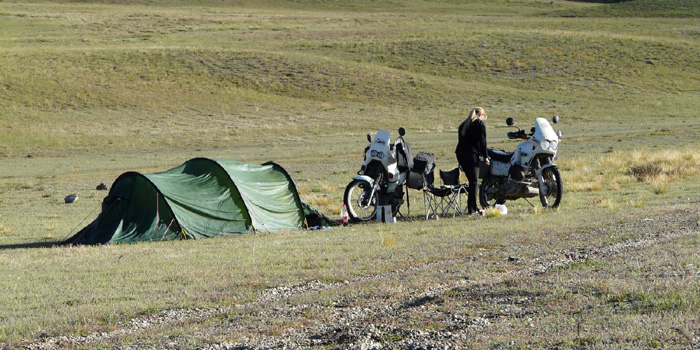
551, 191
358, 197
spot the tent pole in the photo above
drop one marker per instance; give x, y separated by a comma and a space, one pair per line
167, 228
158, 214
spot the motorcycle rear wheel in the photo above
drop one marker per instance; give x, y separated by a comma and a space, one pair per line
361, 207
551, 192
487, 199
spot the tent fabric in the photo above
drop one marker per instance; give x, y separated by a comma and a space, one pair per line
199, 199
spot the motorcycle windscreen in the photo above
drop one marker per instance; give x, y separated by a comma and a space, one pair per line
544, 130
381, 141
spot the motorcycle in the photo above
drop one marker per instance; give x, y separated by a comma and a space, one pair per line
528, 172
380, 179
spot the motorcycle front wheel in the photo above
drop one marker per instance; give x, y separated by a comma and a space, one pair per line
487, 198
361, 203
551, 188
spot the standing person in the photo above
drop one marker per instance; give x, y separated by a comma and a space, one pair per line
471, 146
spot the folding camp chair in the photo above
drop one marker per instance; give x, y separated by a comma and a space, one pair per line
445, 200
450, 179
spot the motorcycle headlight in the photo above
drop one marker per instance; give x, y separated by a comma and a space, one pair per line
380, 155
553, 145
373, 153
544, 144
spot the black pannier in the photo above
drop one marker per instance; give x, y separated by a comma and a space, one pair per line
420, 175
424, 162
404, 157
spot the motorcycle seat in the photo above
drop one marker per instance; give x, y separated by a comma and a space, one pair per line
500, 156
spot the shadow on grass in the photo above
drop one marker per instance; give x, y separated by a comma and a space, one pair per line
31, 245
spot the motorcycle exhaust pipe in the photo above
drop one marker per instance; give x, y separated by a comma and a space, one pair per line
533, 191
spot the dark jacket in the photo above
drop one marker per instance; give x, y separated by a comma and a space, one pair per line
472, 142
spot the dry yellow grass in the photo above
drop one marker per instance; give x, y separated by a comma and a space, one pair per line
654, 168
321, 196
636, 203
492, 212
6, 230
388, 239
322, 201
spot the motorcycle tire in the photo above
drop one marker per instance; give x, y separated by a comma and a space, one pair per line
360, 206
551, 192
485, 199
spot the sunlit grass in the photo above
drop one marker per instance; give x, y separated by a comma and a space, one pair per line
91, 90
656, 169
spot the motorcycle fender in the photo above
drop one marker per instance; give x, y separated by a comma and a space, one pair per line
539, 173
365, 178
392, 169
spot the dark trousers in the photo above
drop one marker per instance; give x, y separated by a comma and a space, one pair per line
470, 166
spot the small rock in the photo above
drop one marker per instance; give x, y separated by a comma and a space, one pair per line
102, 187
71, 198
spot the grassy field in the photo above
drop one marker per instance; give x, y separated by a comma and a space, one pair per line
91, 89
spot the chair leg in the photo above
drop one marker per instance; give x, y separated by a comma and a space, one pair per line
450, 203
431, 206
454, 202
461, 203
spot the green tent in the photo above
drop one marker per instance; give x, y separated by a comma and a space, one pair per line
198, 199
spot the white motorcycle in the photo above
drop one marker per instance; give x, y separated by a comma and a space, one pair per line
381, 177
528, 172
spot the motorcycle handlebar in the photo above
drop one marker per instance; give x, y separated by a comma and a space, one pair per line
520, 134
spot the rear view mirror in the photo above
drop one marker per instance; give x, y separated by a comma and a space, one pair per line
555, 119
369, 138
402, 131
510, 121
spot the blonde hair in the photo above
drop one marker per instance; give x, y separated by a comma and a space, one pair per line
474, 114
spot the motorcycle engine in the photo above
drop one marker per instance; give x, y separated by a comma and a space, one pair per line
516, 172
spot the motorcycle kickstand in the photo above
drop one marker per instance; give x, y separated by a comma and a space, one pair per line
528, 201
